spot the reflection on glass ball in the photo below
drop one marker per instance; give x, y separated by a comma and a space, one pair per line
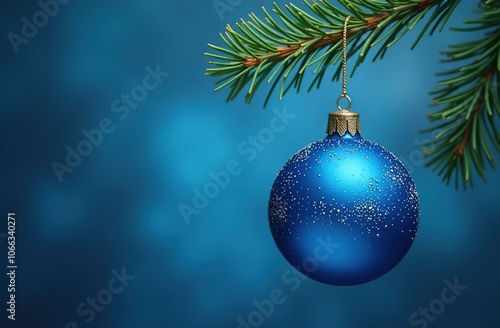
344, 210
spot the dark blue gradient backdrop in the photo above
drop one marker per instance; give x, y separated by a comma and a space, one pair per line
141, 196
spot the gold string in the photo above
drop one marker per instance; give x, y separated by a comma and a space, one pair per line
344, 68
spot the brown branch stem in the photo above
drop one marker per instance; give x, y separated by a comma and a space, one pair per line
371, 24
459, 148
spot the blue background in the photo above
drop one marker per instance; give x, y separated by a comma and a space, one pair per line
119, 207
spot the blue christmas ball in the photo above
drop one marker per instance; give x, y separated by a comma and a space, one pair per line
344, 210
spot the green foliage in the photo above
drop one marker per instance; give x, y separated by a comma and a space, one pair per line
280, 50
469, 104
287, 42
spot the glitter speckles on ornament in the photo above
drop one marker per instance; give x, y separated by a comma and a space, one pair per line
352, 192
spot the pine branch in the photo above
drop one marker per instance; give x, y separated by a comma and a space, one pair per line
281, 49
471, 99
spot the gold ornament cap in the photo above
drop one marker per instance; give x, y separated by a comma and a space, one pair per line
343, 121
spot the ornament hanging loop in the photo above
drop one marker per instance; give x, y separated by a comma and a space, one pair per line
349, 102
344, 69
343, 120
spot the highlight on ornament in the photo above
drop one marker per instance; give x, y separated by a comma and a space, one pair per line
352, 192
